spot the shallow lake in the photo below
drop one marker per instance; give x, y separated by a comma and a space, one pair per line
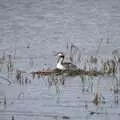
33, 31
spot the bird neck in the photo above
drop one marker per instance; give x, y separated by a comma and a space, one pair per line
60, 60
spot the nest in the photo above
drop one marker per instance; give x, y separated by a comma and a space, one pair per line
70, 72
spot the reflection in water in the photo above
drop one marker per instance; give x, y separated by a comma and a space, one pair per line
87, 83
77, 92
22, 78
56, 81
3, 100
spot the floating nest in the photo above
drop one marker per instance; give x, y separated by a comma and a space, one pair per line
70, 72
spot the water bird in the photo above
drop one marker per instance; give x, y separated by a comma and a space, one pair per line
61, 65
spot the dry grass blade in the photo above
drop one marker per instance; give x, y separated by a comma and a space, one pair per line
96, 99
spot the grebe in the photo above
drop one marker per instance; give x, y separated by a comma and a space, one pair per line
64, 65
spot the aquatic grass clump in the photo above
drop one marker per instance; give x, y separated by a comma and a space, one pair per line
22, 77
83, 72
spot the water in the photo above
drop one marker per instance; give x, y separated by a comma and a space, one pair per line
33, 31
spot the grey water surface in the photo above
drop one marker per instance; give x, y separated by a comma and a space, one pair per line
33, 31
